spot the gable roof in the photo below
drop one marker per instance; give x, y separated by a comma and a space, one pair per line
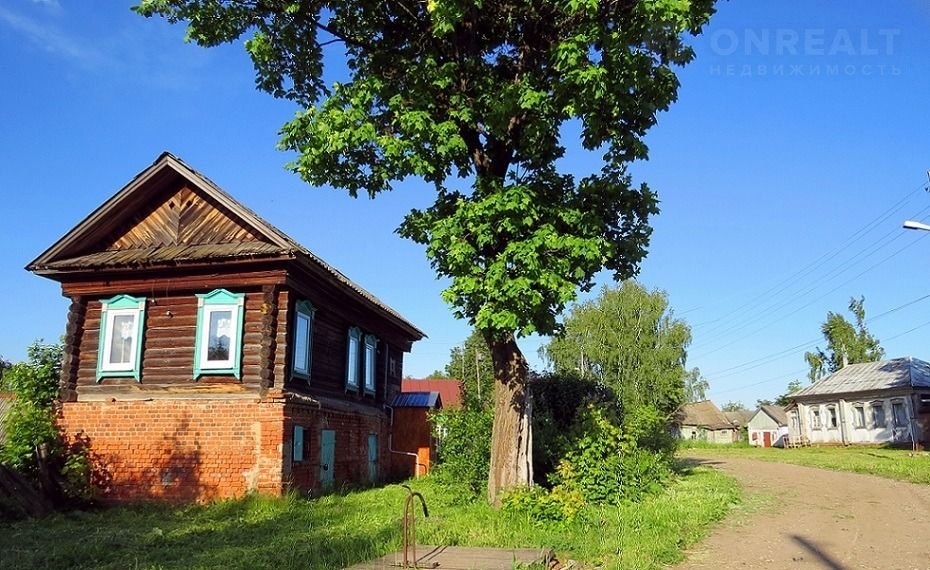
777, 413
450, 389
703, 414
739, 418
248, 236
892, 374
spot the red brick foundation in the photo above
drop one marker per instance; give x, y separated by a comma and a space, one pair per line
200, 450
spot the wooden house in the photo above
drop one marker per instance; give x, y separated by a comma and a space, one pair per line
703, 421
207, 354
886, 402
768, 427
412, 441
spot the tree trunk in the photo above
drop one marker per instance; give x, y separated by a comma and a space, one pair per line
512, 437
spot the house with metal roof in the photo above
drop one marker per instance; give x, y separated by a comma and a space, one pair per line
886, 402
703, 421
768, 427
207, 354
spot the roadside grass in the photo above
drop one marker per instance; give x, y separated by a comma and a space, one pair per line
339, 530
898, 464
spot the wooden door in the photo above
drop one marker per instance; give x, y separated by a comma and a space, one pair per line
327, 457
372, 457
766, 439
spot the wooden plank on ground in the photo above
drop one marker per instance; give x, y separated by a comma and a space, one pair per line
462, 558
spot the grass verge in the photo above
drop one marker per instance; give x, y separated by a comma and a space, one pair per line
898, 464
340, 530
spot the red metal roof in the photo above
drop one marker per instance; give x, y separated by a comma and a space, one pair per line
450, 391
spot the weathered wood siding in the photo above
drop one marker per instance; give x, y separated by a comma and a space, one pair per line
168, 342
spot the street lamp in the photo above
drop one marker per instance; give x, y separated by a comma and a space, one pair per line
912, 225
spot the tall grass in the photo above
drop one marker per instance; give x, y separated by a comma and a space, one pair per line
339, 530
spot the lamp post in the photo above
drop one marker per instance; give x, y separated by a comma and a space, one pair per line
912, 225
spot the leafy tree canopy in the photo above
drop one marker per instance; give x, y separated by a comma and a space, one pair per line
627, 339
847, 343
732, 406
478, 91
785, 398
696, 386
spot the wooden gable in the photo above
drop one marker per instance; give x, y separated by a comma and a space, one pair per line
183, 216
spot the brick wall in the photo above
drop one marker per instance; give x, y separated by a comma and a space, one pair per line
351, 445
180, 449
199, 450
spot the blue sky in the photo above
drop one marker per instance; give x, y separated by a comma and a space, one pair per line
797, 147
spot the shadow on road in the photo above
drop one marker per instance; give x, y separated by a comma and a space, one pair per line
827, 560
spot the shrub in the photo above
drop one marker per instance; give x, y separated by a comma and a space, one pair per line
464, 451
559, 505
606, 464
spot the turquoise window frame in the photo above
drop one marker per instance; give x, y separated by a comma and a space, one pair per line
353, 369
370, 357
123, 304
219, 299
298, 444
303, 309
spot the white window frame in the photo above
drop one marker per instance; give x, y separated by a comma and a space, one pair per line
108, 366
894, 416
833, 418
110, 309
230, 360
816, 420
370, 356
353, 362
879, 406
859, 418
303, 311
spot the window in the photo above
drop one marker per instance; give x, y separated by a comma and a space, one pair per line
371, 346
303, 334
352, 359
831, 418
219, 333
859, 416
298, 454
878, 415
815, 419
899, 413
119, 352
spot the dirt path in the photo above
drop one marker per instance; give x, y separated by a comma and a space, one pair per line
818, 519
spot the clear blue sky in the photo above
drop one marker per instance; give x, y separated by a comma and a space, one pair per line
799, 124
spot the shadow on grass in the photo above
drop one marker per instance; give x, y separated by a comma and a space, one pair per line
255, 532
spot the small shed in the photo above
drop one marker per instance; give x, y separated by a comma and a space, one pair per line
412, 445
768, 427
705, 422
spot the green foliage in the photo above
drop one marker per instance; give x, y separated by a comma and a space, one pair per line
464, 454
338, 531
785, 399
847, 343
542, 505
475, 93
696, 386
733, 406
472, 364
30, 423
628, 340
609, 464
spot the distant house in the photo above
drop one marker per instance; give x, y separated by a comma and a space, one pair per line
704, 421
450, 389
207, 354
868, 403
412, 441
739, 418
768, 427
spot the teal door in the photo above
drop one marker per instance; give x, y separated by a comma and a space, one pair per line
327, 457
372, 457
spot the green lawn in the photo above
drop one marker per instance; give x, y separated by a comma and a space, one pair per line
892, 463
338, 530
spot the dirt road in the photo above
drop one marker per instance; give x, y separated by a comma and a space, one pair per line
818, 519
